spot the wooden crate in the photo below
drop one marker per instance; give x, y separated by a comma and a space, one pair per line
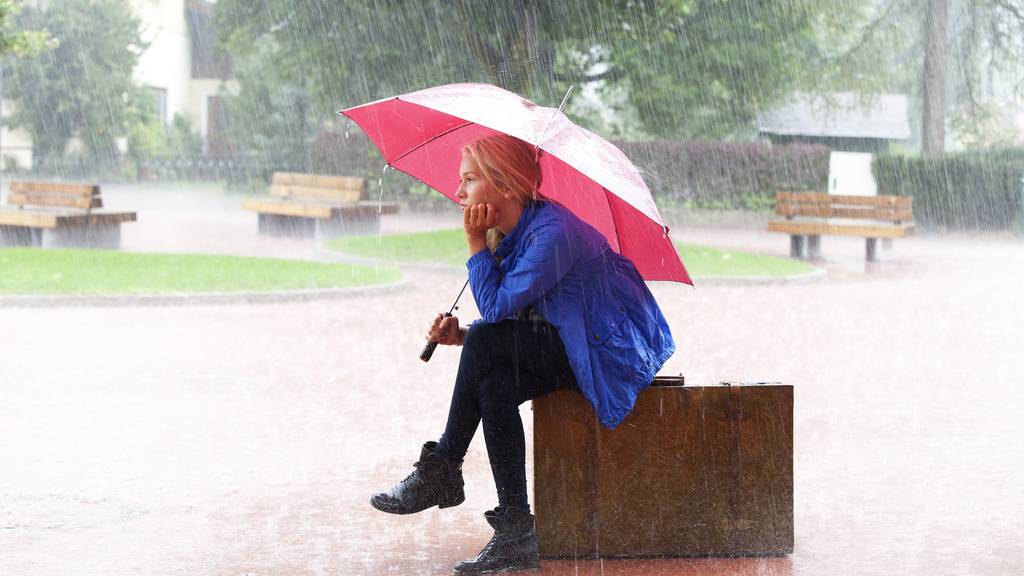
692, 471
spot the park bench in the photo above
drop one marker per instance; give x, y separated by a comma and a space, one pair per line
692, 471
59, 215
318, 205
812, 215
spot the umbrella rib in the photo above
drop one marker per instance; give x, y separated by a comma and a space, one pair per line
615, 225
425, 142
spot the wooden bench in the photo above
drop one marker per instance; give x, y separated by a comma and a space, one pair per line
59, 215
318, 205
692, 471
812, 215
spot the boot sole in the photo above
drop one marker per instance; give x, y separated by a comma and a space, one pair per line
448, 502
497, 571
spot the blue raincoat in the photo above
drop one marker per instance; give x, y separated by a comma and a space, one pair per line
615, 336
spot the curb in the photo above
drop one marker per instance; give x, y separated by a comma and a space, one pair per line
808, 277
205, 298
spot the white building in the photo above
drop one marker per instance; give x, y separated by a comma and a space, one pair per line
178, 67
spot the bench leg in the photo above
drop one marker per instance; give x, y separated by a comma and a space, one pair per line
20, 236
293, 226
796, 246
814, 247
871, 250
102, 237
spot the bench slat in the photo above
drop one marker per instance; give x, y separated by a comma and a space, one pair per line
838, 229
344, 195
319, 181
312, 210
830, 199
54, 199
95, 219
33, 219
10, 217
286, 208
86, 190
867, 213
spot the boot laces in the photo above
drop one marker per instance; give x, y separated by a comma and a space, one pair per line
416, 466
489, 548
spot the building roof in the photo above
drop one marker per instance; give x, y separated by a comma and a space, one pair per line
839, 115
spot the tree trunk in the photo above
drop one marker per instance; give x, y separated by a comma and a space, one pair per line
933, 121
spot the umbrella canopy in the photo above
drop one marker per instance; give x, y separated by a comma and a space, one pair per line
421, 134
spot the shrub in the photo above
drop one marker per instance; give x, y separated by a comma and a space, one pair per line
977, 190
354, 155
727, 174
345, 155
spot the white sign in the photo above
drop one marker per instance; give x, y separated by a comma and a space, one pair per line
849, 173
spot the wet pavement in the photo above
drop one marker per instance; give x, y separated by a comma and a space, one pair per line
246, 439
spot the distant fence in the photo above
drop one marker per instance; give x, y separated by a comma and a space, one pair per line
237, 169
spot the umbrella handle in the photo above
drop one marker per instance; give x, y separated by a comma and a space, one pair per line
428, 350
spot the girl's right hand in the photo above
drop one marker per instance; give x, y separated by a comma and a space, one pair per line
445, 330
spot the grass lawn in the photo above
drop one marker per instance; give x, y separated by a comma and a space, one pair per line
439, 247
449, 247
36, 271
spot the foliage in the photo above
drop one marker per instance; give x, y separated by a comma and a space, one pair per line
350, 154
986, 40
681, 68
725, 175
984, 61
977, 190
83, 86
20, 43
151, 142
271, 115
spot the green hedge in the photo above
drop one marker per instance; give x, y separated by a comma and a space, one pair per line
727, 174
977, 190
695, 173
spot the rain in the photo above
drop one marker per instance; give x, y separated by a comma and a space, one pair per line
195, 384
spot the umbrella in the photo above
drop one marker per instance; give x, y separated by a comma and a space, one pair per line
421, 133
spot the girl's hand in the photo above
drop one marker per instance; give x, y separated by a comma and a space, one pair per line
477, 219
445, 330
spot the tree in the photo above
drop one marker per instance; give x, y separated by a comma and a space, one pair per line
686, 67
933, 120
956, 51
82, 87
19, 43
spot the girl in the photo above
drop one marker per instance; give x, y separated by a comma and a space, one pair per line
560, 310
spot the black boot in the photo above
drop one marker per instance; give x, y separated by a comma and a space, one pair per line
436, 481
513, 546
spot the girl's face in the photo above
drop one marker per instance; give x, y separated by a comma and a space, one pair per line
473, 188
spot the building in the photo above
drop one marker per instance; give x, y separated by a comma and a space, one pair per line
842, 121
179, 69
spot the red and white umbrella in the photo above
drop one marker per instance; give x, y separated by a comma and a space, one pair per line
421, 134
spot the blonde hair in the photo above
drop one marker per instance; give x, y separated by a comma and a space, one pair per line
509, 165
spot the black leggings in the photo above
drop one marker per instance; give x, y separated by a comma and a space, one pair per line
503, 365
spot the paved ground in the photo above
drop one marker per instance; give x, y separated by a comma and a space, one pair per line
245, 439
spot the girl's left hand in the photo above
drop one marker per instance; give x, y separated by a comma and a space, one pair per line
477, 219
